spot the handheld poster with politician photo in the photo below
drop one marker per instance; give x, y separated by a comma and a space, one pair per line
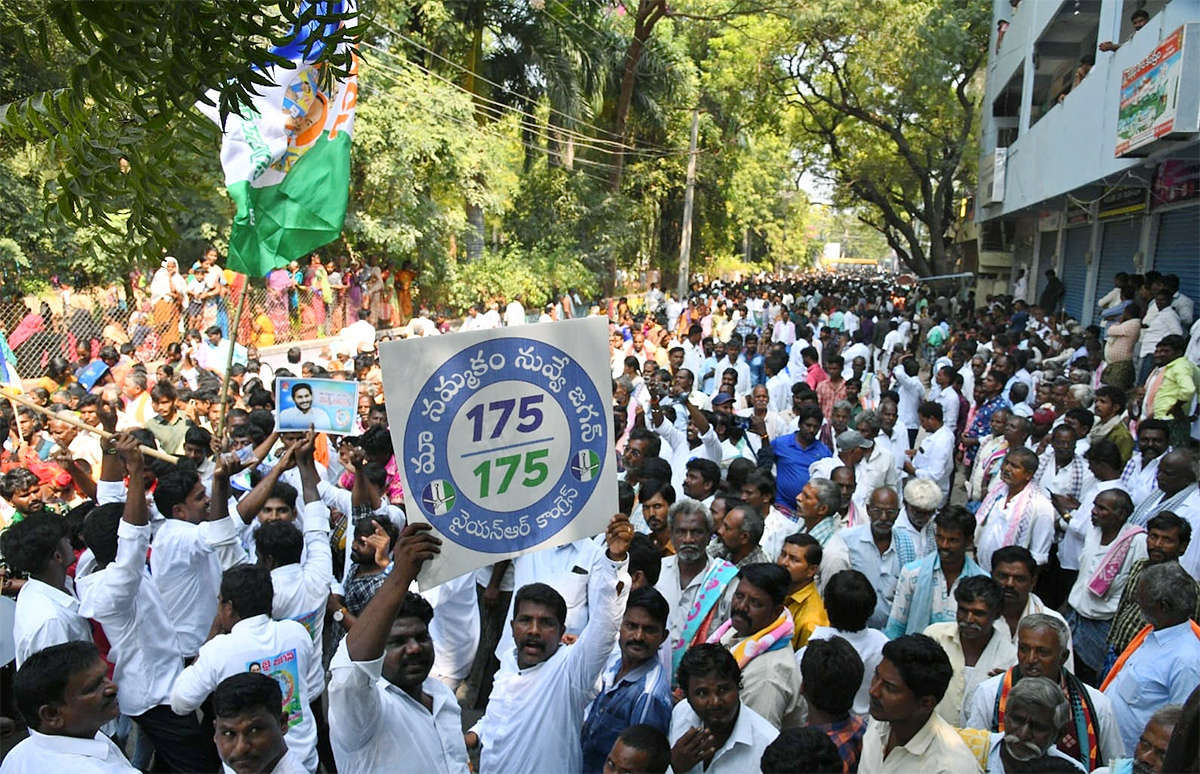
326, 405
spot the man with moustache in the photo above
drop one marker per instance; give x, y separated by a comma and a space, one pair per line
635, 689
1037, 710
537, 703
1090, 735
1151, 749
973, 643
1017, 513
759, 635
697, 587
925, 591
1167, 538
713, 731
65, 696
385, 711
250, 725
905, 733
1140, 473
875, 549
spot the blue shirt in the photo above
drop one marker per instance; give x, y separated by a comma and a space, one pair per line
710, 364
757, 376
1164, 670
642, 696
791, 467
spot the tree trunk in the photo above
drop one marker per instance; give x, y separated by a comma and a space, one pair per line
649, 12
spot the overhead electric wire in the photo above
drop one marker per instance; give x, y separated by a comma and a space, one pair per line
476, 127
627, 148
498, 110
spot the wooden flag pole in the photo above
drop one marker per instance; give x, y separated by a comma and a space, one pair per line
79, 424
233, 330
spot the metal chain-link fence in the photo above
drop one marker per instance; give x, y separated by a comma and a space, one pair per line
76, 323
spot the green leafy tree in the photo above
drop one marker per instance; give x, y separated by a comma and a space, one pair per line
883, 92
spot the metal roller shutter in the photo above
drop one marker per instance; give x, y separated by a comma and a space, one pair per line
1075, 270
1119, 242
1177, 249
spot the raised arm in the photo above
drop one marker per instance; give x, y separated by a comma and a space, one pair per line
249, 506
414, 547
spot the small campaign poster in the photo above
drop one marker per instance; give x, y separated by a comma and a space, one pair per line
285, 669
326, 405
504, 438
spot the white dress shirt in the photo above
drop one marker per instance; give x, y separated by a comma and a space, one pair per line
935, 749
43, 753
455, 627
680, 453
1077, 529
1140, 480
911, 392
127, 604
897, 443
514, 314
568, 569
282, 649
924, 539
187, 569
302, 590
877, 469
1084, 600
947, 398
46, 616
935, 459
743, 370
742, 751
534, 715
1036, 531
376, 727
981, 711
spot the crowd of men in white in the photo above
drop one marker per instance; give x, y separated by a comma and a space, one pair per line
791, 584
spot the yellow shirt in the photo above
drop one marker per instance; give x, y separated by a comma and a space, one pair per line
808, 612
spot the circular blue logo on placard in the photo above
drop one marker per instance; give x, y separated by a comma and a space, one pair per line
505, 442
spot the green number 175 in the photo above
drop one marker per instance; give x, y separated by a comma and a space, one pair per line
535, 471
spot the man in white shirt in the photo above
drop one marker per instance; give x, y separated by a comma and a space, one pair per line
385, 711
712, 730
251, 641
893, 433
942, 392
934, 458
119, 593
66, 697
47, 611
537, 702
1017, 513
250, 724
300, 562
905, 734
733, 359
878, 468
690, 575
1138, 478
186, 562
568, 569
1043, 646
909, 387
514, 314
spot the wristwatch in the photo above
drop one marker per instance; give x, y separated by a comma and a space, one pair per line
340, 614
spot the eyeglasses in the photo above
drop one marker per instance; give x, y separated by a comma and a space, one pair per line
873, 511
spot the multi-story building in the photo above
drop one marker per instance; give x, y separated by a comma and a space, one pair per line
1090, 145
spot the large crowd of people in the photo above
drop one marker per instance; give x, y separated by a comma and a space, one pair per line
863, 527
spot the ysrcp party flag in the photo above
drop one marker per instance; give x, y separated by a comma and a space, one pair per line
287, 157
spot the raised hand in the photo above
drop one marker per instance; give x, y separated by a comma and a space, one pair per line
618, 536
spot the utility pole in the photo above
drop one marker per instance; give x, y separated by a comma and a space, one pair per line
689, 196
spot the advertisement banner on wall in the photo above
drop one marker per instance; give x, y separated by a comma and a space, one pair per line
1152, 104
503, 438
1176, 180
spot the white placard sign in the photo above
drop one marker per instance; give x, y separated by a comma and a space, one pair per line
503, 438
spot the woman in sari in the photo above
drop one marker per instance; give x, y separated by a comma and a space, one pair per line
168, 292
404, 282
279, 282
